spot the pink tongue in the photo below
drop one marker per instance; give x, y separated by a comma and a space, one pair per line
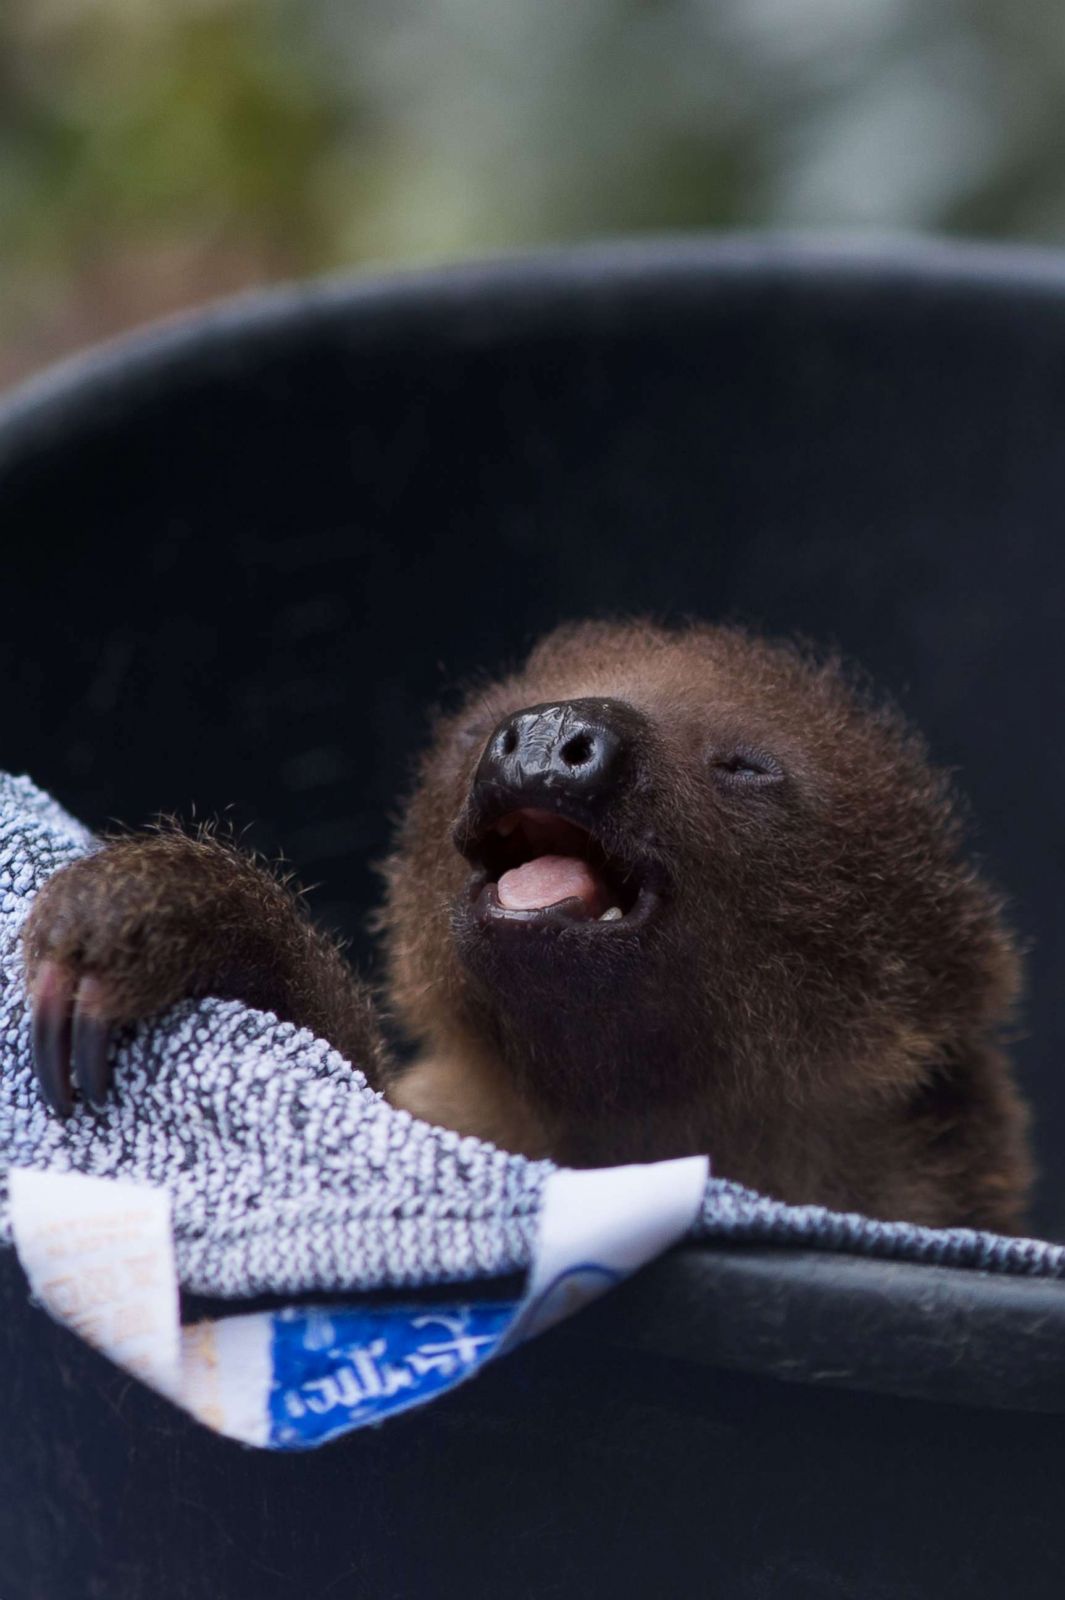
547, 880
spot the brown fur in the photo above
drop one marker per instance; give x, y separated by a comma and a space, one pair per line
818, 1003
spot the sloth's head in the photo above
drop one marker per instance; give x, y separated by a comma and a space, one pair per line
688, 869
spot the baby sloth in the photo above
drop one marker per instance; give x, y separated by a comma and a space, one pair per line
659, 892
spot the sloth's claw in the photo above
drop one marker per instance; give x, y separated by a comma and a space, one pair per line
52, 997
91, 1035
70, 1037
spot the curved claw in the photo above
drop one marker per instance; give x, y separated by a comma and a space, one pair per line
53, 993
90, 1037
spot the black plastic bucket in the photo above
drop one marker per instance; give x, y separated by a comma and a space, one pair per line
242, 557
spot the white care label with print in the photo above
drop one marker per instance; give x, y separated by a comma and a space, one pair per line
99, 1256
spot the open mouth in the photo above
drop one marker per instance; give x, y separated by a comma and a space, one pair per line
536, 867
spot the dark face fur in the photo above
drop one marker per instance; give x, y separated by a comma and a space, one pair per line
798, 942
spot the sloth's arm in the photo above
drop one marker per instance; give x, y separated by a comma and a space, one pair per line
159, 917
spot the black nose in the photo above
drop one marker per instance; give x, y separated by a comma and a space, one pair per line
577, 749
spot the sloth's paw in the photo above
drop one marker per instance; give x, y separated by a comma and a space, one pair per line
120, 935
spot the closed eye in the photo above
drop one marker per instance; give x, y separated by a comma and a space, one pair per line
746, 769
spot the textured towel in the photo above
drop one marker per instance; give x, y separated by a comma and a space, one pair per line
288, 1174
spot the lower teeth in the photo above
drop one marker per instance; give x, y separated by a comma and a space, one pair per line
615, 914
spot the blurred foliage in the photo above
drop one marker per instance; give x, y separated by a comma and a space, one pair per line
154, 153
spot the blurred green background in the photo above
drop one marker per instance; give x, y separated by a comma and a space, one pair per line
157, 153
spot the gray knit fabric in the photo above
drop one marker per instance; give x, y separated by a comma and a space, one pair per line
289, 1174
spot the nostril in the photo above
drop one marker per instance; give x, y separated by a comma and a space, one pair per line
577, 750
509, 742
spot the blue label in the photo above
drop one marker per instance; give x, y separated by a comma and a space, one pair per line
338, 1369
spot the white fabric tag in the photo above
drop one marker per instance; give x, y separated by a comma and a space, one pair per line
99, 1256
599, 1224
